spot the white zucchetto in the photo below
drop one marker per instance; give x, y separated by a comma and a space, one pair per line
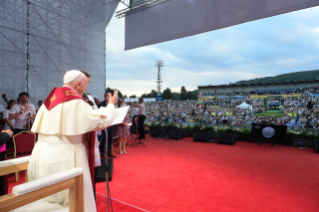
71, 75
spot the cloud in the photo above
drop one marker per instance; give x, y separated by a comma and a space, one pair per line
267, 47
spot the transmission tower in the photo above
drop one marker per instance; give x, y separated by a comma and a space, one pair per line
159, 81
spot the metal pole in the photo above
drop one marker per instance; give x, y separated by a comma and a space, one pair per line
107, 172
28, 48
159, 81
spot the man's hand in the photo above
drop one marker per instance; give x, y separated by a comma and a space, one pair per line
113, 99
8, 131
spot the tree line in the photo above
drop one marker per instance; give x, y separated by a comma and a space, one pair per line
167, 94
295, 76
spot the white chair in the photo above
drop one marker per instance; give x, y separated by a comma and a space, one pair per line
29, 196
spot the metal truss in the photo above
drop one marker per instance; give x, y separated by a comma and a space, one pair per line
64, 35
12, 47
125, 2
138, 5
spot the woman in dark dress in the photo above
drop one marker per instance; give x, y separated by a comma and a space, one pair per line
5, 136
122, 131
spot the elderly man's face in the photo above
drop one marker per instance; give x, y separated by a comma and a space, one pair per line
86, 83
83, 86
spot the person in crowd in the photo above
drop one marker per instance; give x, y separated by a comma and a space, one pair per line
1, 110
5, 136
64, 124
40, 102
97, 101
134, 114
110, 133
9, 123
122, 131
23, 113
141, 118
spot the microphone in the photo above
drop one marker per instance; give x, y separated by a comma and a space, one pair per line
87, 99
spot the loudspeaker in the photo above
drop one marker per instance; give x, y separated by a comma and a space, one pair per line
100, 171
226, 138
316, 145
204, 136
158, 132
176, 134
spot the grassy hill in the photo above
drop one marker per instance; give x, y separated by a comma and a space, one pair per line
301, 75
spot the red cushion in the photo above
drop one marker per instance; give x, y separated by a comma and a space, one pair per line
24, 142
10, 149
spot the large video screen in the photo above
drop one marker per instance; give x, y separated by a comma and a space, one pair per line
265, 132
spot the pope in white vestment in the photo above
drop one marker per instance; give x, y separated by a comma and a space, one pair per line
63, 142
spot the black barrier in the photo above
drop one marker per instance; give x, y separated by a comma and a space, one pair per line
272, 133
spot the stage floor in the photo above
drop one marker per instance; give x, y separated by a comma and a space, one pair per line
182, 175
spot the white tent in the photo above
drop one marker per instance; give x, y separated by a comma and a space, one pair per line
244, 105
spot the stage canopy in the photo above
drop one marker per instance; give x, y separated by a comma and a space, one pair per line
244, 105
174, 19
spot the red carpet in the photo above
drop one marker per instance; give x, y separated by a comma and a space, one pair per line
192, 176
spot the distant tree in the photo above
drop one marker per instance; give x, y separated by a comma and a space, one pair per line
295, 76
133, 96
192, 95
167, 94
183, 94
150, 95
110, 90
189, 95
175, 96
125, 96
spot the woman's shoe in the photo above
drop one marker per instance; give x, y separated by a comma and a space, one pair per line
121, 153
125, 152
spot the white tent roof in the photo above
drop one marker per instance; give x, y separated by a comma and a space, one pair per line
244, 105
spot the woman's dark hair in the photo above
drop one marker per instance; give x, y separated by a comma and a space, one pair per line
9, 103
119, 103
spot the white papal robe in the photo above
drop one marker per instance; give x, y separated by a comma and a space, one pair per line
63, 144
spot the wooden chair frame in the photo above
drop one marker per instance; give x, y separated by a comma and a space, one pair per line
11, 201
15, 149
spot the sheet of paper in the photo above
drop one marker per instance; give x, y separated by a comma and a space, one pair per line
120, 115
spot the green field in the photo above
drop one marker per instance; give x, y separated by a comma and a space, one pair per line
276, 113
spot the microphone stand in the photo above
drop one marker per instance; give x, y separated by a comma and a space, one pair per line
107, 170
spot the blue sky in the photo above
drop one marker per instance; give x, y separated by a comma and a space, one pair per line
267, 47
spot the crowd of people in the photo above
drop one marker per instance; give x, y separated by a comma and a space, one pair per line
305, 90
296, 113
